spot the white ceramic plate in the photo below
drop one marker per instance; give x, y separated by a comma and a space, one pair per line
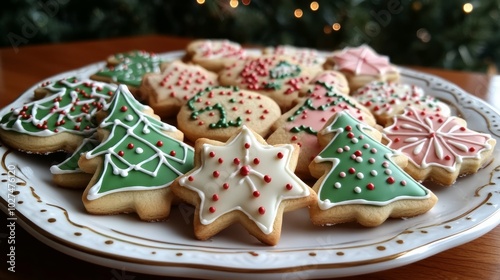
56, 216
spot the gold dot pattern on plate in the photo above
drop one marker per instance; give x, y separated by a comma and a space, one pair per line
51, 220
399, 241
381, 248
340, 253
108, 242
179, 254
312, 254
78, 234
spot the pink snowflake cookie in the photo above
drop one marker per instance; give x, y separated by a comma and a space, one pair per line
387, 99
439, 148
362, 65
243, 180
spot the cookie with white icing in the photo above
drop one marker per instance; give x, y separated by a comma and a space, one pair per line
439, 148
360, 179
213, 54
62, 116
167, 91
244, 180
362, 65
388, 99
128, 68
135, 163
322, 98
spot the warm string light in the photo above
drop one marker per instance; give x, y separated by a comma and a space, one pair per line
314, 6
233, 3
200, 2
298, 13
468, 7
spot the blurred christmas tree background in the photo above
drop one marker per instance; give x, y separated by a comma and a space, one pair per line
459, 34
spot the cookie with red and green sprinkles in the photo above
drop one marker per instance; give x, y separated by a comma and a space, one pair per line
128, 69
388, 99
278, 77
214, 54
63, 114
360, 179
323, 97
167, 91
218, 112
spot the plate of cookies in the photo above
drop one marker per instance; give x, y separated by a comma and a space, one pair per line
218, 162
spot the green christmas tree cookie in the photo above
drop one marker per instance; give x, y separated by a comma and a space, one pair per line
61, 117
138, 158
128, 68
360, 179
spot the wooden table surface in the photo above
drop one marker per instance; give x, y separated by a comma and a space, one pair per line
23, 67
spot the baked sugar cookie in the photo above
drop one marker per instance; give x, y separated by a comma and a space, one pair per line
128, 69
440, 148
279, 77
219, 112
213, 54
244, 180
360, 179
138, 158
322, 99
388, 99
61, 117
167, 91
362, 65
304, 56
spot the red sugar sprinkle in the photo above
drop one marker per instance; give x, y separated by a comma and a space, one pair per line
262, 210
267, 178
190, 178
130, 145
159, 143
280, 155
211, 154
225, 186
172, 153
215, 197
352, 170
220, 160
124, 108
216, 174
121, 153
288, 186
244, 170
256, 161
256, 193
370, 186
390, 180
247, 145
472, 149
236, 161
211, 209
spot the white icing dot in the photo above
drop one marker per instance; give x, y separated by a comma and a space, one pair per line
342, 174
374, 172
373, 150
388, 172
129, 118
353, 156
146, 130
124, 173
139, 150
371, 160
337, 185
357, 190
359, 159
385, 164
116, 171
347, 148
340, 150
354, 140
360, 175
403, 183
366, 146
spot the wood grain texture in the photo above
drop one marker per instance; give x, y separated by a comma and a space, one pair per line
478, 259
